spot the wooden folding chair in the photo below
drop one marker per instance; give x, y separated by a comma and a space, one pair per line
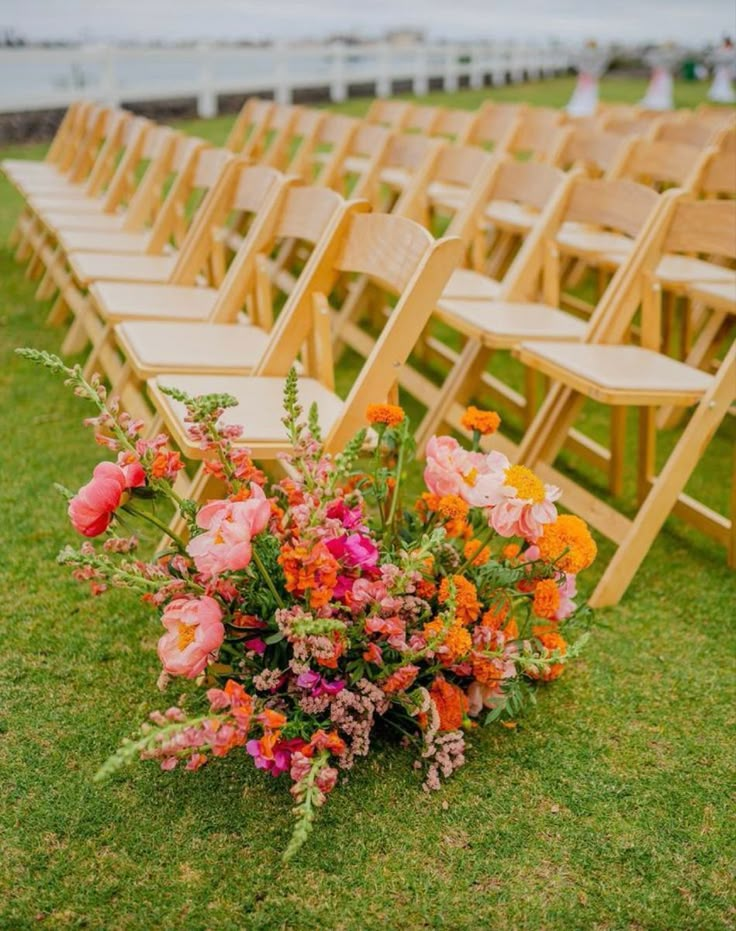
490, 326
222, 344
540, 134
355, 174
422, 119
641, 377
407, 161
318, 161
274, 144
393, 114
398, 254
456, 125
171, 251
250, 126
687, 129
60, 152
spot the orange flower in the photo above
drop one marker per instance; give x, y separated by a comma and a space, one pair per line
271, 719
496, 614
426, 589
511, 551
546, 599
485, 422
166, 464
551, 640
330, 662
480, 556
451, 704
467, 606
427, 502
310, 572
486, 671
321, 740
455, 644
389, 414
453, 507
400, 680
568, 543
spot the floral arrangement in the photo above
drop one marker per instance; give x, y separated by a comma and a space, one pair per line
311, 609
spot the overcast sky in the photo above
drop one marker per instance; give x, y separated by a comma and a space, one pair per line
686, 21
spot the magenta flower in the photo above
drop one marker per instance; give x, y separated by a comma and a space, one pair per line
280, 759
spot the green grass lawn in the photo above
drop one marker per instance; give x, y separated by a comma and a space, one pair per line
607, 808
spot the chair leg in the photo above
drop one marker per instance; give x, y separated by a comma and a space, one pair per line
667, 488
545, 437
618, 450
647, 453
59, 312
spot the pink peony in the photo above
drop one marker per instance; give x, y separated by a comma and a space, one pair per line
93, 506
229, 527
520, 504
194, 632
452, 470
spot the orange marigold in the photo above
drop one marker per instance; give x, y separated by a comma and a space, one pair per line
425, 588
453, 507
467, 606
568, 543
546, 599
451, 703
391, 415
485, 670
551, 640
455, 644
485, 422
309, 571
496, 614
473, 550
511, 551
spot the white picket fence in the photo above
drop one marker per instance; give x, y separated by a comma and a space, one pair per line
40, 78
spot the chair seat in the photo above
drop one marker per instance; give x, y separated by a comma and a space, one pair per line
53, 188
259, 409
504, 324
154, 348
471, 285
43, 204
356, 164
450, 196
397, 178
102, 241
719, 294
60, 221
683, 270
579, 239
103, 266
618, 374
120, 300
508, 215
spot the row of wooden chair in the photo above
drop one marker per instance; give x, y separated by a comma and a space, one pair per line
256, 231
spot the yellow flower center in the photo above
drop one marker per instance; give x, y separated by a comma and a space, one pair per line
528, 486
185, 636
470, 477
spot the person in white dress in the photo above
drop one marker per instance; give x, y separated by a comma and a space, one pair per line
724, 65
662, 60
591, 63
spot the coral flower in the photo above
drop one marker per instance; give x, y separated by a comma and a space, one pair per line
484, 422
521, 503
194, 632
452, 470
93, 506
467, 606
400, 680
567, 542
451, 703
546, 599
551, 641
229, 527
456, 641
390, 415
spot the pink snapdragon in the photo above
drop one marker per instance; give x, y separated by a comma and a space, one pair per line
229, 528
194, 633
276, 759
91, 509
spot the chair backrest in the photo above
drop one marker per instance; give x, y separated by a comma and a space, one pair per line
422, 119
390, 113
272, 148
639, 125
401, 257
617, 204
660, 162
159, 149
67, 133
688, 130
719, 174
319, 164
130, 161
496, 125
303, 139
455, 125
538, 133
356, 174
250, 125
595, 150
528, 183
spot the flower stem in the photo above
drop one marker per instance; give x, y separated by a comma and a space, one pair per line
267, 578
157, 523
